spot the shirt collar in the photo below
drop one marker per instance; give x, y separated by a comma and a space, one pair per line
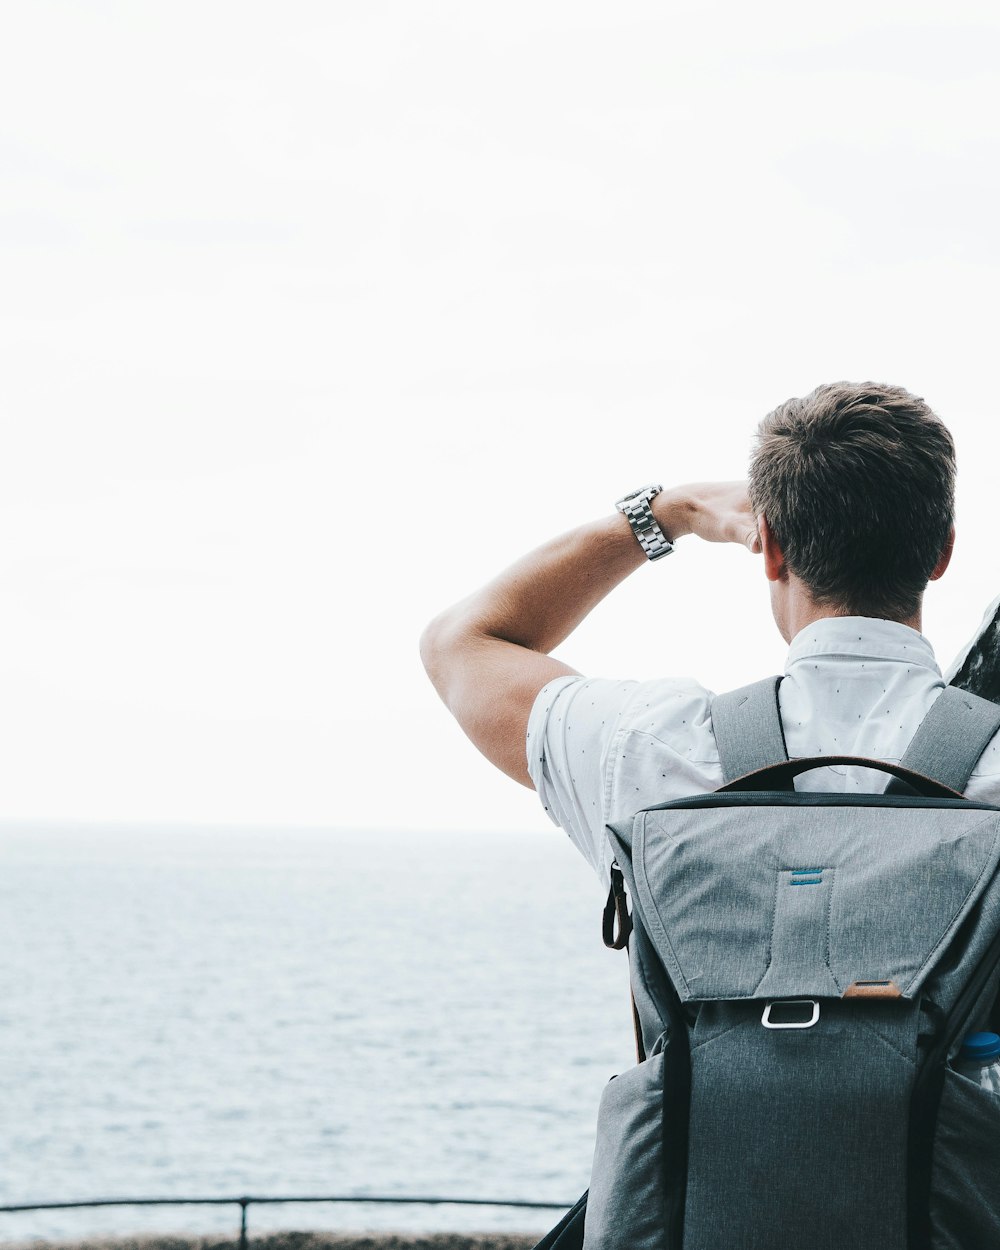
854, 636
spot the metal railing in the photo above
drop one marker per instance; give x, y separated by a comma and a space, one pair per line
246, 1200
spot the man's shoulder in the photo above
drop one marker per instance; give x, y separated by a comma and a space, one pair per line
658, 707
665, 748
634, 733
672, 711
600, 750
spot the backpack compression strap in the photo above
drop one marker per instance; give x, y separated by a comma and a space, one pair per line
747, 725
952, 736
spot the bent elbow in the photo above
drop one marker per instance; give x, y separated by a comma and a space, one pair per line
436, 642
429, 645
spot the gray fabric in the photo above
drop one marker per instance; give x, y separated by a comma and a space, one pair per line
648, 989
800, 1137
747, 728
952, 972
965, 1186
620, 836
625, 1209
764, 902
952, 736
800, 937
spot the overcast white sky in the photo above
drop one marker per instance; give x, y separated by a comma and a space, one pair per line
316, 314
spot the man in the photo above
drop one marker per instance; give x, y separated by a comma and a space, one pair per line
850, 504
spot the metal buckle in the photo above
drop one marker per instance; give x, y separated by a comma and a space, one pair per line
768, 1023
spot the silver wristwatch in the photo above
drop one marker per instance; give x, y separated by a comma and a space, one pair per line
635, 506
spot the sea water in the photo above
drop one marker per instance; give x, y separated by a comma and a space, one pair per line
190, 1013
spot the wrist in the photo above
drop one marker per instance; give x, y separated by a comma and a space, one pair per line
672, 510
637, 509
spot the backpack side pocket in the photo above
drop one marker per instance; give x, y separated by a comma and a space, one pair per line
626, 1207
965, 1183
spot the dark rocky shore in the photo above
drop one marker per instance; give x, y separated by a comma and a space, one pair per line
297, 1241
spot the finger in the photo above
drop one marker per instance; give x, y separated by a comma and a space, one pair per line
753, 541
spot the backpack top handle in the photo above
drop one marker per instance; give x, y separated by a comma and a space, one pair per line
782, 776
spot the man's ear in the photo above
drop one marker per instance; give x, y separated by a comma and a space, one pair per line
774, 559
945, 557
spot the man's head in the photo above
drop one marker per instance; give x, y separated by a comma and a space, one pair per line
856, 485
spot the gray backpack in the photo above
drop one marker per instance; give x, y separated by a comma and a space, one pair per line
804, 967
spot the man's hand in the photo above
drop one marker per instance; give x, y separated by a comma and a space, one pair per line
488, 656
718, 512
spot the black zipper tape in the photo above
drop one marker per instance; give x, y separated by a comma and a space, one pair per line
814, 798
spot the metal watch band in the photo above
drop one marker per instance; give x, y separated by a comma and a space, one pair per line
635, 507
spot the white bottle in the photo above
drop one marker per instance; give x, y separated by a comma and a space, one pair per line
979, 1061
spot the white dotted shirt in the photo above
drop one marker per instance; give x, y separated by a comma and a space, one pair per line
599, 751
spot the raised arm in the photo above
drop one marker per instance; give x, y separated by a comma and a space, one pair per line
488, 656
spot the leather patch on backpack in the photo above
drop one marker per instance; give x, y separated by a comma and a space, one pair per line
873, 989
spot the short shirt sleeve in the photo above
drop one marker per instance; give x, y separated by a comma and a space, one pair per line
571, 732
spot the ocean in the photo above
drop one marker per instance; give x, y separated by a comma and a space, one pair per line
194, 1012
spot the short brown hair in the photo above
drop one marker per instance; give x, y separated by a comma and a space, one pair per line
857, 482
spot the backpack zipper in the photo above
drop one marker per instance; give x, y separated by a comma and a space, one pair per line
815, 798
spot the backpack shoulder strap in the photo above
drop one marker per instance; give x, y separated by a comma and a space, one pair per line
747, 725
952, 736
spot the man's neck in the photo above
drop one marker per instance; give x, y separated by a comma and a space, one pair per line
800, 609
